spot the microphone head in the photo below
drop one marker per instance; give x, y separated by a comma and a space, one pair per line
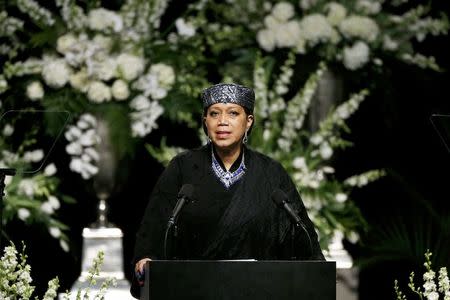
186, 191
279, 197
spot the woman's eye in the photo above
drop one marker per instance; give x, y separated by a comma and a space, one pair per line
213, 114
234, 113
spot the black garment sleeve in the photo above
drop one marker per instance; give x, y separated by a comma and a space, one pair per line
301, 241
150, 236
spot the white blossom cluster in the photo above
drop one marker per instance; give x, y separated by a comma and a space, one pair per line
185, 28
352, 32
83, 139
15, 281
72, 14
36, 12
430, 290
9, 25
365, 178
296, 110
144, 115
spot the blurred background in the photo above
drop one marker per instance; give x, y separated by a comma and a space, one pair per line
344, 91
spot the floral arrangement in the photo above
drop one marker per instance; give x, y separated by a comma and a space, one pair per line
354, 33
429, 290
16, 280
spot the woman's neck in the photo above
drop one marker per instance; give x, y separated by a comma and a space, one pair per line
228, 156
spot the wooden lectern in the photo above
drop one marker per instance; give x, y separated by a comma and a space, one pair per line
239, 280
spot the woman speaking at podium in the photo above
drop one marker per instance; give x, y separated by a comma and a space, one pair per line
230, 207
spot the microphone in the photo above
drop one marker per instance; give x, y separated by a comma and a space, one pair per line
281, 199
185, 196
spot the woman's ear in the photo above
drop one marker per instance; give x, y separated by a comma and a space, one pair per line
250, 120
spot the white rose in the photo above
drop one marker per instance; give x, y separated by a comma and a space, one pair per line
184, 28
359, 27
316, 139
271, 22
103, 42
120, 90
356, 56
130, 66
80, 81
315, 29
433, 296
336, 13
102, 19
104, 69
164, 73
65, 43
56, 73
266, 39
283, 11
288, 34
23, 213
35, 90
98, 92
50, 170
140, 103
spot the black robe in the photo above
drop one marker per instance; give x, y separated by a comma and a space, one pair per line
241, 222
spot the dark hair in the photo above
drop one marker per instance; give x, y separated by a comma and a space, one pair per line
247, 113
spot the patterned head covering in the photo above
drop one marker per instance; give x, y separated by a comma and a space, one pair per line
229, 93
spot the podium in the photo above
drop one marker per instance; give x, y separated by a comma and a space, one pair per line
239, 280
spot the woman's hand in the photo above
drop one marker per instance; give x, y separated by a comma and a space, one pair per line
139, 270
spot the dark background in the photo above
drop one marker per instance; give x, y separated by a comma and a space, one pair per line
391, 130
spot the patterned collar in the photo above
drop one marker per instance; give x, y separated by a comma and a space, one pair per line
226, 177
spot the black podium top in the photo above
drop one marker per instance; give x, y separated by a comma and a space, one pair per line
236, 280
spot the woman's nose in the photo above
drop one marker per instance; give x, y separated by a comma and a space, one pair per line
223, 120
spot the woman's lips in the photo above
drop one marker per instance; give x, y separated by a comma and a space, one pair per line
223, 134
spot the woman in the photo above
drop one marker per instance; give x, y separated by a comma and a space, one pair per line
232, 215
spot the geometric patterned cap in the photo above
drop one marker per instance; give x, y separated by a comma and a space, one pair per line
228, 93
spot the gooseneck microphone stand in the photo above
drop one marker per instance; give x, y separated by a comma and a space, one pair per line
3, 173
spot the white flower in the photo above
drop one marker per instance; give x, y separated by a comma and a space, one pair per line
35, 90
33, 156
353, 237
98, 92
92, 153
8, 130
104, 69
130, 66
164, 73
307, 4
64, 245
89, 138
23, 213
283, 11
103, 20
360, 27
433, 296
90, 119
65, 43
56, 73
288, 34
144, 121
356, 56
103, 42
299, 163
55, 232
389, 43
80, 80
325, 151
336, 13
184, 28
316, 29
50, 170
47, 208
72, 133
369, 7
266, 39
316, 139
76, 165
341, 197
74, 148
271, 22
54, 202
120, 90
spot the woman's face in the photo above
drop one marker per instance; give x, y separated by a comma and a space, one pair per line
226, 124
